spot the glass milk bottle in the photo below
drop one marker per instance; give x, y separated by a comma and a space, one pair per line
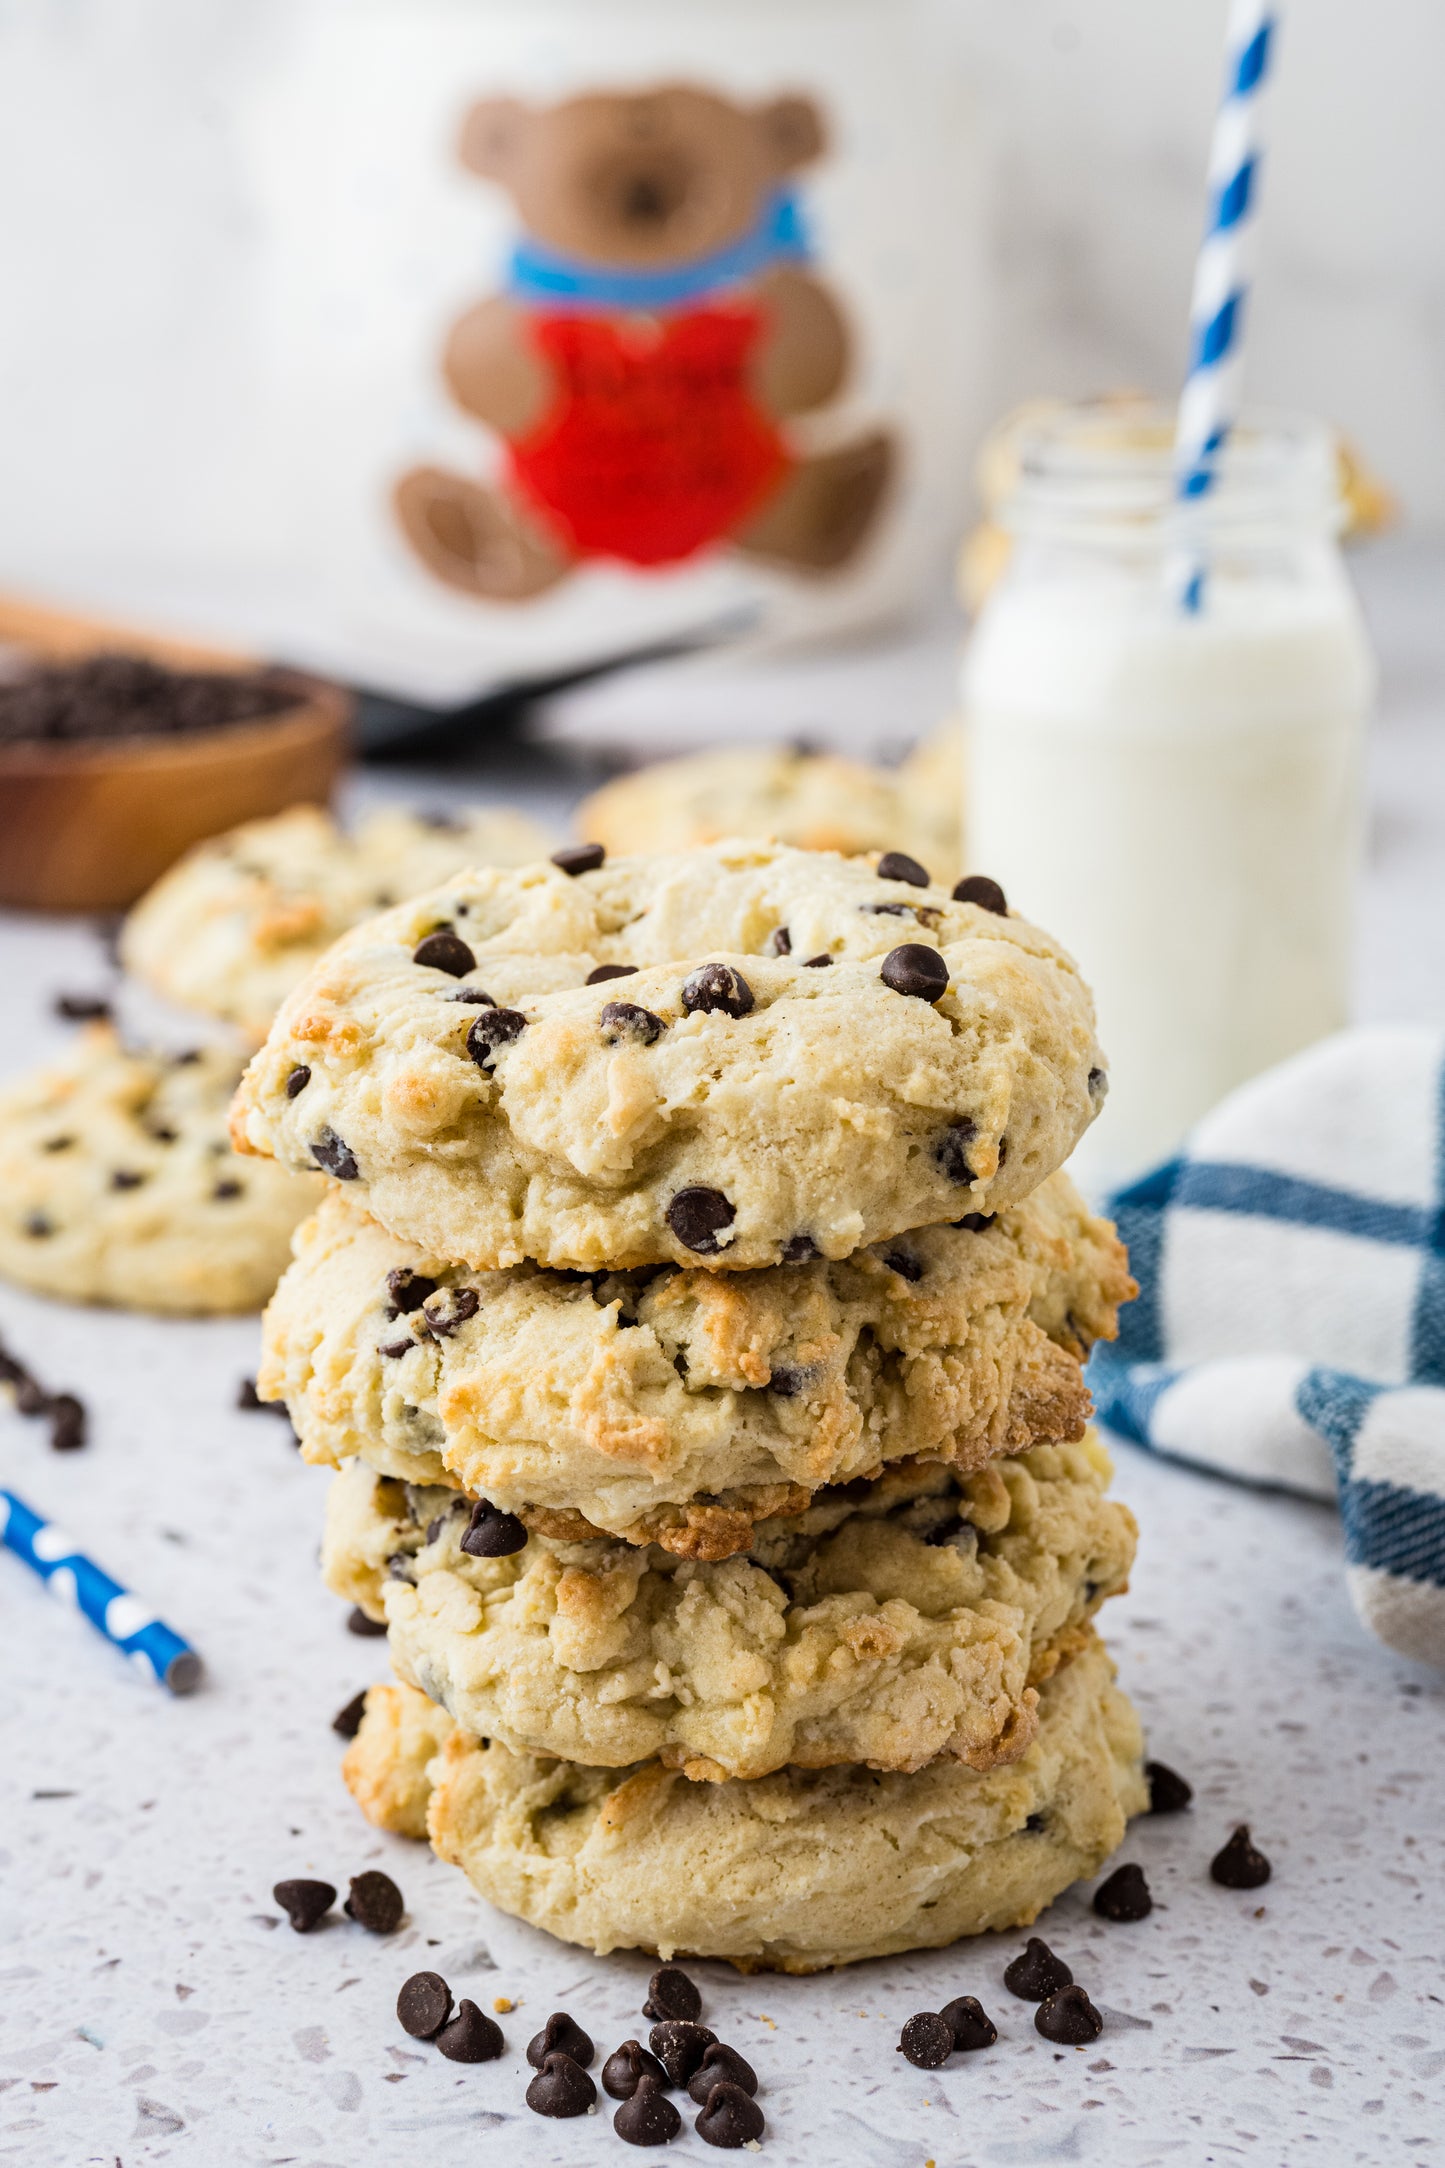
1176, 796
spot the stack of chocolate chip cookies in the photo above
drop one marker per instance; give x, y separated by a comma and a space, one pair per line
696, 1322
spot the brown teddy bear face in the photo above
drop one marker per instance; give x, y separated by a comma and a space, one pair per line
653, 178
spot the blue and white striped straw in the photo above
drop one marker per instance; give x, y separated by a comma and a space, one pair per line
1209, 404
74, 1579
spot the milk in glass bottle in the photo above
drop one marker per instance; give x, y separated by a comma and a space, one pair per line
1176, 794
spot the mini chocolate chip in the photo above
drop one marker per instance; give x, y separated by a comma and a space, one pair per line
329, 1151
1037, 1973
471, 2036
679, 2046
821, 962
375, 1902
83, 1008
490, 1533
1034, 1823
976, 1222
622, 2071
670, 1993
1168, 1792
63, 1144
697, 1216
160, 1134
780, 942
624, 1020
187, 1058
1239, 1865
493, 1029
67, 1423
1069, 2018
717, 987
449, 1308
971, 2024
927, 2040
347, 1721
408, 1289
444, 824
907, 1266
604, 972
721, 2065
800, 1250
1098, 1083
424, 2005
561, 2087
978, 888
298, 1080
474, 995
368, 1629
305, 1904
561, 2035
951, 1151
126, 1178
579, 858
889, 910
1124, 1896
898, 866
914, 969
398, 1567
788, 1379
648, 2117
392, 1349
37, 1226
224, 1191
730, 2119
446, 951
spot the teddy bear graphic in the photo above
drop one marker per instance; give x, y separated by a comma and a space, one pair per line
659, 325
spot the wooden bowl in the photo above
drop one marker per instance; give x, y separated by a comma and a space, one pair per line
87, 825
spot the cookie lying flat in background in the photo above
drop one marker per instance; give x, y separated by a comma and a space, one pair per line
888, 1624
787, 1873
802, 1054
118, 1183
234, 924
678, 1406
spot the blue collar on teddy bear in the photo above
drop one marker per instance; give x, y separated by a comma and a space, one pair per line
542, 276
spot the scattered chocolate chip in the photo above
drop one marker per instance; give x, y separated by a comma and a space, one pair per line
623, 2070
375, 1902
561, 2035
225, 1191
83, 1008
493, 1029
408, 1289
580, 858
780, 942
67, 1423
1069, 2018
679, 2046
717, 987
561, 2087
800, 1250
109, 696
1124, 1896
449, 1308
298, 1080
604, 972
1239, 1865
914, 969
951, 1151
622, 1020
446, 951
347, 1721
1037, 1973
905, 1264
424, 2005
331, 1152
474, 995
730, 2119
31, 1397
821, 962
927, 2040
898, 866
721, 2065
305, 1904
648, 2117
978, 888
976, 1222
671, 1993
1168, 1792
471, 2036
490, 1533
368, 1629
1098, 1083
697, 1216
971, 2024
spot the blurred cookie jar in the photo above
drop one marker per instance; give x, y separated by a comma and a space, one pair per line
599, 325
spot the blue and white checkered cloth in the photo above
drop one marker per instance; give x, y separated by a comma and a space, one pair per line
1290, 1328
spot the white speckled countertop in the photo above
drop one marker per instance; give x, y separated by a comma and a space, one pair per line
152, 2008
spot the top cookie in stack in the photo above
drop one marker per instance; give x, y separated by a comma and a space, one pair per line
810, 1054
